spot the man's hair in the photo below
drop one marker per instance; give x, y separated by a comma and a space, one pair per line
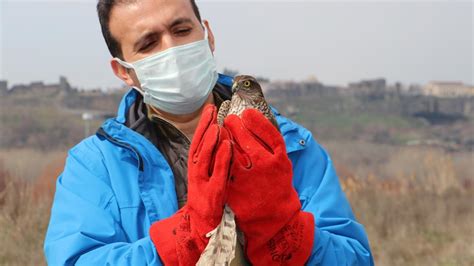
104, 8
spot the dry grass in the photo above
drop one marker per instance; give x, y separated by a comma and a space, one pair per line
23, 223
421, 212
415, 203
417, 228
431, 166
27, 163
25, 203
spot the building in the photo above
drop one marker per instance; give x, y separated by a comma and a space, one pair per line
3, 87
369, 86
64, 84
445, 89
39, 86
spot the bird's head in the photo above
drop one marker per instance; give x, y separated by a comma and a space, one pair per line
247, 85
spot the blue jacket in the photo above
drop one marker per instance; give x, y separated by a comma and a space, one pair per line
116, 183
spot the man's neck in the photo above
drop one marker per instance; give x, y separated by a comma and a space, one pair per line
185, 123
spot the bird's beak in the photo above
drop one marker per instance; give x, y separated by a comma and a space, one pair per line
234, 87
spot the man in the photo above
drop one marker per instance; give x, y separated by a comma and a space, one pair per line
130, 195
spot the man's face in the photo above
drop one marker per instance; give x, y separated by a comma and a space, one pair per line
146, 27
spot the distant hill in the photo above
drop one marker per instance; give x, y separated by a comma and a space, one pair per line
46, 120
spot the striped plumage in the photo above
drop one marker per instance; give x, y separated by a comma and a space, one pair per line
246, 93
222, 242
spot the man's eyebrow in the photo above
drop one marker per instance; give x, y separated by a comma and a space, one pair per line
179, 21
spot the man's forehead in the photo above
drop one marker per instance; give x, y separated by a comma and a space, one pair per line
130, 20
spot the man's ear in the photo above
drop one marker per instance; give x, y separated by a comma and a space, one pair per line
210, 35
123, 73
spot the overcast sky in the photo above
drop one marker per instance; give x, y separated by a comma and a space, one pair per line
337, 41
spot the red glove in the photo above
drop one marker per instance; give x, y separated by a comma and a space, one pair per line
181, 238
261, 194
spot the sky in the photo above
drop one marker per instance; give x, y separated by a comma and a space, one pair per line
335, 41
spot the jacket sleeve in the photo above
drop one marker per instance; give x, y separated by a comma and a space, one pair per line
339, 239
84, 227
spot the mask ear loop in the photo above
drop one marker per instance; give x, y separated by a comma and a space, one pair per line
129, 66
139, 90
206, 34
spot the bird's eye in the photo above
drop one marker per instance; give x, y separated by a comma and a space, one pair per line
246, 84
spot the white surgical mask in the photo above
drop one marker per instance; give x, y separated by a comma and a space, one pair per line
179, 79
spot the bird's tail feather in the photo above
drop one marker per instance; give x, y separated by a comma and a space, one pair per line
221, 247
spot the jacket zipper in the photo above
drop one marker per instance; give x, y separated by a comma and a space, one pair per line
102, 132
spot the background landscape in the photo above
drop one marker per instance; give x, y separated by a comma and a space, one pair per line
403, 155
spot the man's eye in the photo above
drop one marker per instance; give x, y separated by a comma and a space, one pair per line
182, 32
146, 46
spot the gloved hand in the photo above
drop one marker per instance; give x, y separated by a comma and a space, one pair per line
181, 238
266, 206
